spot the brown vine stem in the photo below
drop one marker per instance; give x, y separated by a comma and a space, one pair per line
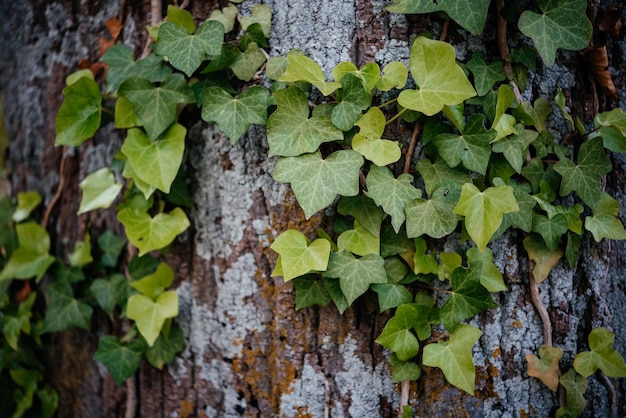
541, 309
409, 154
503, 47
326, 398
155, 17
611, 389
404, 397
57, 195
444, 30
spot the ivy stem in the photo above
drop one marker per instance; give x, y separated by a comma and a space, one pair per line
409, 154
404, 397
396, 116
434, 289
444, 30
504, 50
326, 398
387, 103
57, 195
541, 310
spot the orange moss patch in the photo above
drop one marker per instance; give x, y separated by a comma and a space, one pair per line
524, 414
497, 352
291, 216
187, 409
303, 412
517, 324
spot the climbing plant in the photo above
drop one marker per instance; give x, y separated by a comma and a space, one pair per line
481, 161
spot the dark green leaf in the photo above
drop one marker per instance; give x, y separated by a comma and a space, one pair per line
121, 360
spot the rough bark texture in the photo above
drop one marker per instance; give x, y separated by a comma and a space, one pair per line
248, 352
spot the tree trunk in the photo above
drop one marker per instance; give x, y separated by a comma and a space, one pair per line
248, 352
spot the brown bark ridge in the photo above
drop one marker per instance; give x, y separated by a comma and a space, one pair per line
248, 352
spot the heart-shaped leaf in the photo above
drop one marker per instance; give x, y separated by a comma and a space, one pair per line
99, 190
31, 258
355, 274
299, 257
122, 360
149, 315
546, 366
152, 233
79, 116
602, 356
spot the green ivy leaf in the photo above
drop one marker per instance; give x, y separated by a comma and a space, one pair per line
316, 182
111, 246
604, 223
364, 210
394, 75
563, 24
81, 255
611, 127
154, 284
584, 177
302, 68
226, 16
454, 357
99, 190
156, 162
471, 148
469, 14
359, 241
543, 258
575, 387
125, 116
437, 173
26, 203
503, 123
391, 295
149, 315
448, 263
490, 276
165, 348
110, 292
546, 366
390, 193
31, 258
181, 18
398, 335
334, 290
354, 100
433, 217
185, 51
534, 115
152, 233
485, 76
121, 66
439, 79
392, 243
602, 356
483, 211
290, 131
234, 116
157, 106
262, 15
297, 256
468, 297
369, 74
423, 263
122, 361
404, 370
246, 65
551, 230
78, 118
368, 141
515, 147
13, 326
310, 292
64, 311
355, 274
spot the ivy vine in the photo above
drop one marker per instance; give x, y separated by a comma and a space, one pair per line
480, 162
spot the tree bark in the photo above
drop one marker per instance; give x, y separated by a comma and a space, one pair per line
248, 352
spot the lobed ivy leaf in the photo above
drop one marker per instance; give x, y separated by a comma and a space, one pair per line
121, 66
152, 233
181, 18
358, 241
543, 258
503, 123
391, 295
262, 15
31, 258
448, 263
310, 292
546, 366
154, 284
26, 203
437, 173
122, 360
390, 193
515, 147
602, 356
369, 74
484, 210
404, 370
334, 290
81, 255
246, 65
99, 190
469, 14
604, 223
226, 16
165, 348
482, 262
563, 24
551, 230
186, 51
156, 162
302, 68
290, 131
354, 100
125, 116
468, 297
584, 177
485, 76
234, 116
79, 117
611, 126
435, 216
111, 246
471, 147
316, 182
368, 140
299, 257
157, 106
395, 75
423, 263
534, 115
14, 325
398, 335
439, 79
454, 357
110, 292
64, 311
575, 387
355, 274
364, 210
150, 315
